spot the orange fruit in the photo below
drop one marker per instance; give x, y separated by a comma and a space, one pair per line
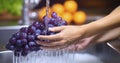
79, 17
67, 16
71, 6
58, 8
42, 12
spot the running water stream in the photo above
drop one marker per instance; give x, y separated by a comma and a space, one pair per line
47, 15
45, 56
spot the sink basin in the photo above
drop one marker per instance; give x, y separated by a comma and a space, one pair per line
7, 57
100, 53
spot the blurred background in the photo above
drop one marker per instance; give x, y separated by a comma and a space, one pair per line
78, 12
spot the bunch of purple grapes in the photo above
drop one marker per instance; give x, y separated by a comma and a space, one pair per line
24, 41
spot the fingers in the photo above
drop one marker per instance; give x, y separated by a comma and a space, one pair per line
53, 47
56, 29
82, 45
50, 44
50, 37
72, 48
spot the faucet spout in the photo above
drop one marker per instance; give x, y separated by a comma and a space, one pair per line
25, 13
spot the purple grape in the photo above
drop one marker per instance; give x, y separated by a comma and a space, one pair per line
24, 41
24, 29
26, 47
36, 24
31, 29
12, 40
37, 32
23, 35
56, 23
10, 47
54, 15
44, 32
20, 35
52, 21
16, 35
19, 43
50, 25
59, 19
32, 43
31, 37
41, 26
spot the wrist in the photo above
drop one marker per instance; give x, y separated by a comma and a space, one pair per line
93, 28
83, 30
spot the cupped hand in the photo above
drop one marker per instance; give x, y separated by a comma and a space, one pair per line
67, 35
82, 44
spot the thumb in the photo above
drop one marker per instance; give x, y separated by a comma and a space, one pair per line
56, 29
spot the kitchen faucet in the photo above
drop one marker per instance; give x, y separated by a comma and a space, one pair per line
27, 6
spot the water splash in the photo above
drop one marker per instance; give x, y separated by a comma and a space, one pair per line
45, 56
47, 15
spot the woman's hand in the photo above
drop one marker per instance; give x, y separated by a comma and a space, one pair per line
81, 45
67, 35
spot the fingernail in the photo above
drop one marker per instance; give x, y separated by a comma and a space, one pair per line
38, 36
50, 28
37, 42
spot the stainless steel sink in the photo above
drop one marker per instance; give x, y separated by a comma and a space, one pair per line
102, 52
6, 57
81, 57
